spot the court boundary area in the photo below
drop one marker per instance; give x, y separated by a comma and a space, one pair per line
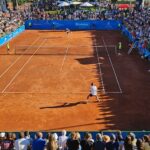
110, 60
61, 68
16, 60
17, 73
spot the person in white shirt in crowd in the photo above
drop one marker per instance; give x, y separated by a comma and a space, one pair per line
62, 140
93, 92
22, 143
55, 136
27, 136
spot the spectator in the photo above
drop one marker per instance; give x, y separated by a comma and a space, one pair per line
87, 142
113, 144
106, 138
7, 143
22, 143
38, 143
73, 143
128, 143
55, 136
99, 143
134, 140
14, 136
2, 137
62, 140
27, 136
120, 140
52, 143
47, 138
146, 142
79, 139
139, 144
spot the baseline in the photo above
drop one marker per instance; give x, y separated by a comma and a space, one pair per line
7, 92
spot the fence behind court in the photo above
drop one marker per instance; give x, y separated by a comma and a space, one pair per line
73, 24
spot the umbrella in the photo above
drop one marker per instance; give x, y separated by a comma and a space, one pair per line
123, 6
63, 4
86, 4
75, 3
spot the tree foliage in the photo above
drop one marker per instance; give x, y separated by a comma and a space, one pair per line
113, 1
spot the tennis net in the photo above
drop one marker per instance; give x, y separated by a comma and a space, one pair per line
61, 50
54, 50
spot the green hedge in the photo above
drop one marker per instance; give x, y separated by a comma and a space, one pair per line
22, 1
125, 2
19, 1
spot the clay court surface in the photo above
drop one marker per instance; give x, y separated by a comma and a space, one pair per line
51, 68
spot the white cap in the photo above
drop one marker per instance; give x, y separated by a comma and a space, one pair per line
55, 136
2, 134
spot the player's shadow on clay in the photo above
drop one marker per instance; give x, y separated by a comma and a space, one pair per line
67, 105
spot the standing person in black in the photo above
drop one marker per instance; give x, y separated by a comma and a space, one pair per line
87, 142
99, 144
120, 140
128, 143
73, 142
113, 144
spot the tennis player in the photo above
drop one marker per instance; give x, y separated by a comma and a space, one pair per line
119, 48
67, 31
8, 48
93, 92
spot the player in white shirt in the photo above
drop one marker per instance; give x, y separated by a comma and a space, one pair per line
93, 92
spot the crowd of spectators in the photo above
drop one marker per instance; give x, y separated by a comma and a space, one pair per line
138, 23
9, 21
9, 141
12, 19
102, 11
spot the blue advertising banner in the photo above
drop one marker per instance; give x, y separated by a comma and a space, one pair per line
11, 35
73, 24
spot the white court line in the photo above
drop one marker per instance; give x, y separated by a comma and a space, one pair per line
22, 68
100, 72
115, 92
65, 55
112, 65
45, 92
18, 58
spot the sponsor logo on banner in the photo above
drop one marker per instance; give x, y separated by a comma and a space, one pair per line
82, 24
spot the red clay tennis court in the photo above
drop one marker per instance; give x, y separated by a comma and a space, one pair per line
46, 69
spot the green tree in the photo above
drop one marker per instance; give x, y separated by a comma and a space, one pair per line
113, 1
